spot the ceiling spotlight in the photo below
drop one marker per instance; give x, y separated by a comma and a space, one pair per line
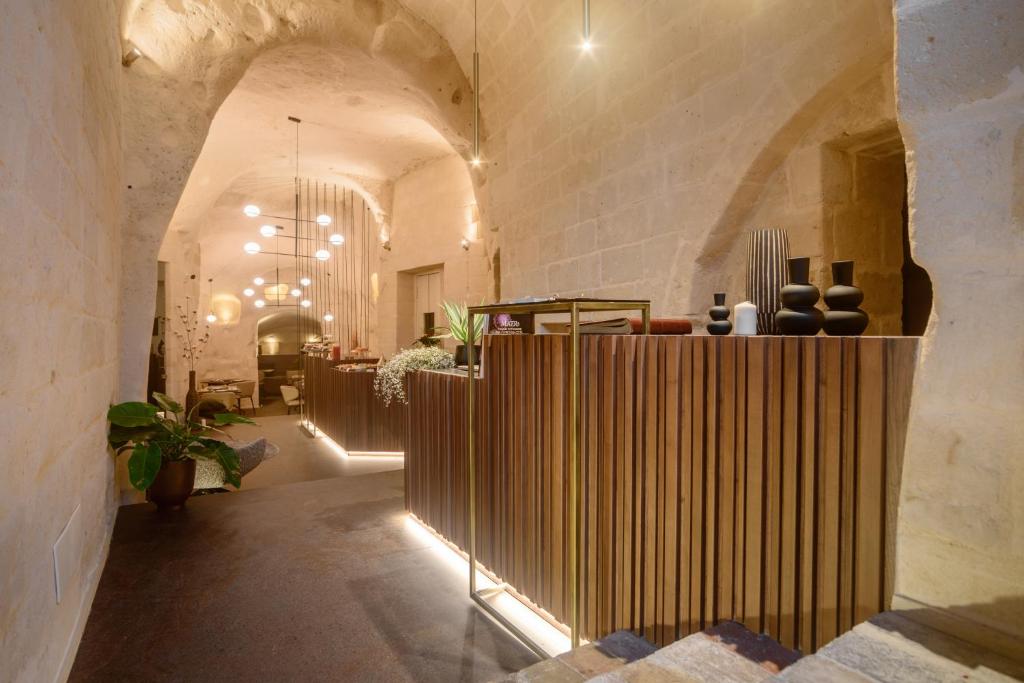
259, 303
252, 248
129, 57
323, 219
328, 316
251, 210
587, 46
336, 239
296, 292
464, 244
268, 230
211, 318
248, 291
305, 282
258, 281
305, 303
322, 254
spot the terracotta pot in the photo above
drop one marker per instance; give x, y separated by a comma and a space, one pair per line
173, 484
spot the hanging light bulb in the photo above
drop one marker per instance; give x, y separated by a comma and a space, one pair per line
251, 210
336, 239
322, 254
268, 230
323, 219
296, 292
248, 291
258, 281
210, 317
252, 247
305, 282
305, 303
259, 303
328, 316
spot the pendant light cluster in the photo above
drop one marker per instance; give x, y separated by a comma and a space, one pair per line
331, 248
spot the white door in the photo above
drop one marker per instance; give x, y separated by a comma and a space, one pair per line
427, 296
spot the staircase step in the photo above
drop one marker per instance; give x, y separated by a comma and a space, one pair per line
816, 669
587, 661
727, 653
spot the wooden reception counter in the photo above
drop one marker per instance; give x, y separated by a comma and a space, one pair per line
746, 478
343, 406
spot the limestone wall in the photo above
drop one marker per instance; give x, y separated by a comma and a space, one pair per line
60, 217
432, 212
960, 90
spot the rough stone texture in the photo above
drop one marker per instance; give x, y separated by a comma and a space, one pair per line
195, 53
433, 211
695, 658
60, 224
960, 92
587, 661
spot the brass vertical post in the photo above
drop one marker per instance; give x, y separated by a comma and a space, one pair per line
574, 474
471, 461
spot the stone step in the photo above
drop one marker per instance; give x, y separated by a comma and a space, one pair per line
892, 648
587, 661
727, 653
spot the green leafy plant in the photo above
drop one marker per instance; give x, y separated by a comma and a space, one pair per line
458, 324
389, 384
152, 438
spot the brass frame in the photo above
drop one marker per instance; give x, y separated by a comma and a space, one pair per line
574, 307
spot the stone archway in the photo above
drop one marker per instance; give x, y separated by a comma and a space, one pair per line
194, 55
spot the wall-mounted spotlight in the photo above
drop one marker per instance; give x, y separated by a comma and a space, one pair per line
587, 45
464, 244
386, 245
128, 58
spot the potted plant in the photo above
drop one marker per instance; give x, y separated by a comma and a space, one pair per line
164, 448
458, 329
389, 384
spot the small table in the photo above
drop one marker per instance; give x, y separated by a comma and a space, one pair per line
574, 307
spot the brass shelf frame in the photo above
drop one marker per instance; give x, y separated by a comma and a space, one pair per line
574, 307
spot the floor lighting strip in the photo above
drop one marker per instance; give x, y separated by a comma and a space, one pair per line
530, 624
315, 432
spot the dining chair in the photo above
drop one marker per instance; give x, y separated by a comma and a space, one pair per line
245, 391
291, 397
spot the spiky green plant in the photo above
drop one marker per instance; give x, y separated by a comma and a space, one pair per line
458, 323
152, 439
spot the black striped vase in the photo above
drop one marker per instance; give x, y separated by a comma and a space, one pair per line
767, 251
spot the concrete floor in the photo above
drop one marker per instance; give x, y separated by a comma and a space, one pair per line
314, 580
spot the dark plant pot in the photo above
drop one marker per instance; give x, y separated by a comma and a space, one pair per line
844, 318
798, 315
462, 358
192, 397
719, 314
173, 484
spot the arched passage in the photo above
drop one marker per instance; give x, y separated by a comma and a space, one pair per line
195, 56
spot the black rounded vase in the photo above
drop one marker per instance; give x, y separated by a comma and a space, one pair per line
719, 316
798, 315
844, 318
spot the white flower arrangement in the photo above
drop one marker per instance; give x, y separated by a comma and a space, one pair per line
389, 384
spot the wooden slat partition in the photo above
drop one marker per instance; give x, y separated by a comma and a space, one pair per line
723, 477
344, 407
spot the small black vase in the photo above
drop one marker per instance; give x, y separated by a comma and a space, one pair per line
844, 318
719, 316
798, 315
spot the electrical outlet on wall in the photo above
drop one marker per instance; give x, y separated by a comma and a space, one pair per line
67, 554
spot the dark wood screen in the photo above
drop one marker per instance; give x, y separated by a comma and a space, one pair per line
723, 477
344, 407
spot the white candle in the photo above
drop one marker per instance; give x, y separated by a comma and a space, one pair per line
744, 316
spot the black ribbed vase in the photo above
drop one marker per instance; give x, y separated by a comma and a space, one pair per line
767, 251
844, 317
719, 314
798, 315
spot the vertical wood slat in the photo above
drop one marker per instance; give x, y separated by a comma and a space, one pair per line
724, 478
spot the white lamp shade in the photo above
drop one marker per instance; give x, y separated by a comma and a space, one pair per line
268, 230
323, 219
258, 281
328, 316
211, 318
306, 303
251, 210
336, 239
259, 303
248, 291
296, 292
305, 282
322, 254
252, 247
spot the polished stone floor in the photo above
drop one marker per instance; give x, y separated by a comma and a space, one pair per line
322, 580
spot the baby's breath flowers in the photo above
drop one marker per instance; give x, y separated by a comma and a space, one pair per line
389, 384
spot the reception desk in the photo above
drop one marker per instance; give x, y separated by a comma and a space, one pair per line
746, 478
343, 406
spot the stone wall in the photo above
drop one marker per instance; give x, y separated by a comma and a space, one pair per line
60, 217
432, 212
960, 91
